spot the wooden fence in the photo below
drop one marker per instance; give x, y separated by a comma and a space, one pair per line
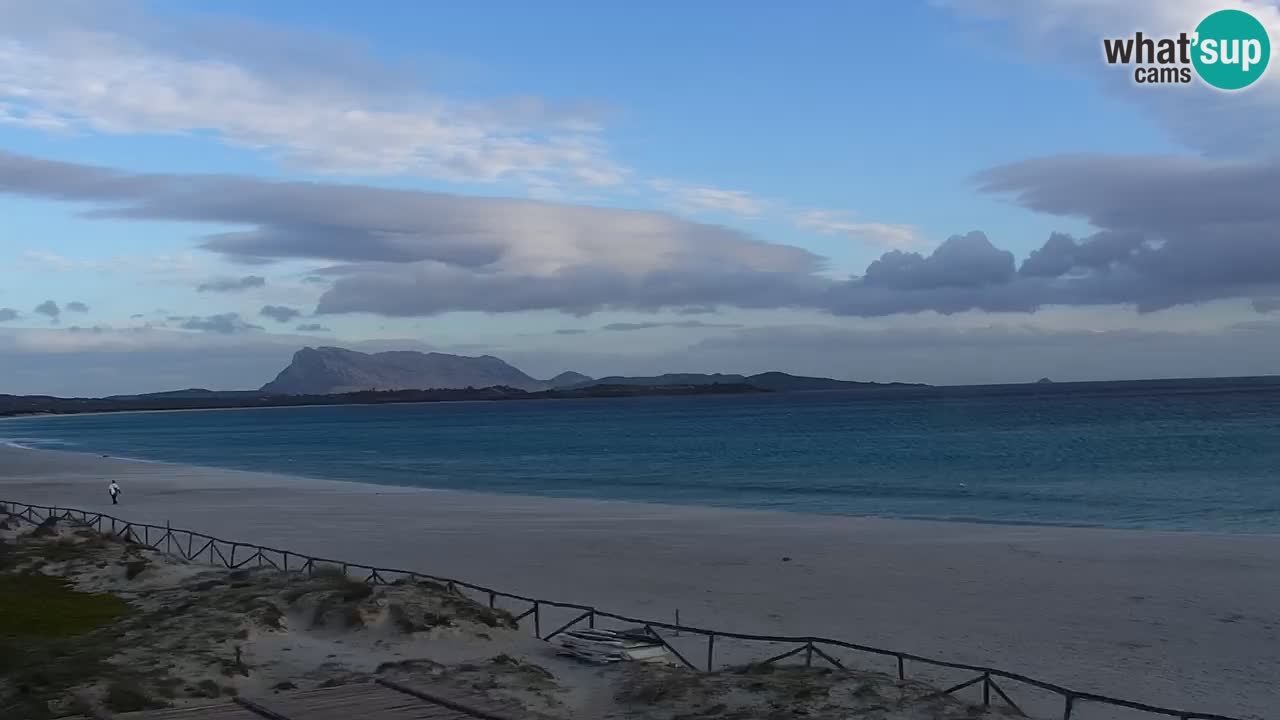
199, 547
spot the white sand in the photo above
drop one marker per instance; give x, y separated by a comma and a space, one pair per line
1185, 620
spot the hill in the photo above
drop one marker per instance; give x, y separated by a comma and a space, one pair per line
11, 405
331, 370
570, 378
773, 381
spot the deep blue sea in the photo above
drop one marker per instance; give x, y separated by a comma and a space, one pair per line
1194, 455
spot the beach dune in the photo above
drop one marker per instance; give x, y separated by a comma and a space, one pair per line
1185, 620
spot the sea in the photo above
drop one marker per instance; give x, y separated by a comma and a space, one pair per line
1198, 455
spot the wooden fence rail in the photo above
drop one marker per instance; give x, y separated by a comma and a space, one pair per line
198, 547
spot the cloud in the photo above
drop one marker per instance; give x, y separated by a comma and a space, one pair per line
963, 261
107, 361
223, 323
279, 313
318, 101
428, 289
9, 314
1261, 305
312, 327
1171, 231
1071, 31
60, 362
401, 252
232, 284
166, 266
703, 198
965, 272
49, 309
571, 331
110, 361
826, 222
683, 324
77, 307
995, 354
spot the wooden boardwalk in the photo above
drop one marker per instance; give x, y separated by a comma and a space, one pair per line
380, 700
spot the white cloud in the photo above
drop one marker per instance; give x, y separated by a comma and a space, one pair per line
401, 252
894, 237
1071, 31
184, 264
705, 198
71, 65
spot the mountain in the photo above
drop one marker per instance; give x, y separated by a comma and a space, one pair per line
774, 381
670, 379
782, 382
328, 370
331, 370
190, 394
570, 378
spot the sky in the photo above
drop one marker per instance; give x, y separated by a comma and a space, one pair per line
945, 191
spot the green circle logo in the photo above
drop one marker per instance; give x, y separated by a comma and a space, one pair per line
1232, 49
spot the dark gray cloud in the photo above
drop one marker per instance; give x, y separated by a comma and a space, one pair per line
122, 361
1062, 254
962, 261
232, 284
943, 355
312, 327
1174, 230
223, 323
400, 252
992, 354
1266, 305
77, 307
434, 288
684, 324
280, 313
49, 309
1170, 231
8, 314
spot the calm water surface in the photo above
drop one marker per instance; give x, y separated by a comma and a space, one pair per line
1202, 455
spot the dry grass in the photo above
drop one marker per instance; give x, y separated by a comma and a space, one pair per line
175, 631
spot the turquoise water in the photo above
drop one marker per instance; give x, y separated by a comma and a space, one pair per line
1199, 455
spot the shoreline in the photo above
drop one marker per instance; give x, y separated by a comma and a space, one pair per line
1171, 618
390, 397
978, 522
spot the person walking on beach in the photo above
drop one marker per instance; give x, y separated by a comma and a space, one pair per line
114, 489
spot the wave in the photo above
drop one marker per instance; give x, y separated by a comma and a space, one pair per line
24, 443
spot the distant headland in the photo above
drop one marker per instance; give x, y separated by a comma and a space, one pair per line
337, 376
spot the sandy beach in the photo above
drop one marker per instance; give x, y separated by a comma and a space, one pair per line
1176, 619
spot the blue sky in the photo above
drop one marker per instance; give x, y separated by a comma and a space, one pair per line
765, 146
